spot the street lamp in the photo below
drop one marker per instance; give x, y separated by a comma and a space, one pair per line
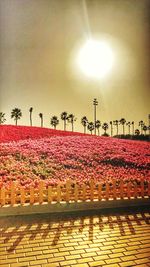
95, 103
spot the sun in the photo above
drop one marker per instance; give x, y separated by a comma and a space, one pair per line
95, 58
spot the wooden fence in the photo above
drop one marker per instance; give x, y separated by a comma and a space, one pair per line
72, 192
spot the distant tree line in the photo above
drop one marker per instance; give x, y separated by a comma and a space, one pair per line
128, 127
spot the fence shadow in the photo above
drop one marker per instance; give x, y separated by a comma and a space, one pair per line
18, 231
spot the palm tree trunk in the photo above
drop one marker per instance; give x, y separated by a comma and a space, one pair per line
132, 129
30, 119
117, 129
16, 121
85, 129
141, 129
64, 125
111, 130
72, 127
98, 131
123, 128
41, 122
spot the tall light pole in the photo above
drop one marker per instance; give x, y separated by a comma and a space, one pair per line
95, 103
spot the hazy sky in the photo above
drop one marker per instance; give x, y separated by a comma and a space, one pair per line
39, 40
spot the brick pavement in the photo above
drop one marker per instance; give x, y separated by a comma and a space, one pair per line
116, 240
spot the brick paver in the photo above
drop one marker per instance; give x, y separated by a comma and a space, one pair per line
115, 240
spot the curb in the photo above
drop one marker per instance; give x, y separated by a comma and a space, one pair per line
64, 207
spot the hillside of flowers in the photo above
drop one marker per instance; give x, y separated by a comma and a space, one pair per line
16, 133
30, 154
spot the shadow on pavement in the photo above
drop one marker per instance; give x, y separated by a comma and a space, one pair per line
13, 230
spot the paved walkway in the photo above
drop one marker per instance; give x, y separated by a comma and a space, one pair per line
116, 240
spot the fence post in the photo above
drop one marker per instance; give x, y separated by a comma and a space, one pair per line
107, 190
3, 191
99, 191
92, 189
135, 190
142, 188
31, 195
49, 194
129, 190
58, 192
41, 187
68, 190
148, 188
22, 194
121, 189
76, 192
12, 193
114, 189
84, 192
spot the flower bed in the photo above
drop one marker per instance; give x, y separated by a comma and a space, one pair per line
62, 155
15, 133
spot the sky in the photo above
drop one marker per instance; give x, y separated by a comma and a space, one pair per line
39, 43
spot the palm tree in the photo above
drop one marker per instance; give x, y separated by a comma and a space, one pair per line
123, 121
97, 125
2, 117
71, 119
64, 117
84, 122
132, 127
16, 114
41, 117
111, 127
54, 121
105, 127
90, 126
145, 128
116, 123
31, 110
129, 126
137, 132
141, 123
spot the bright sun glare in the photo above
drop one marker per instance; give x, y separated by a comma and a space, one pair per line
95, 58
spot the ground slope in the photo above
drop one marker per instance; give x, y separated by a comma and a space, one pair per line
56, 156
